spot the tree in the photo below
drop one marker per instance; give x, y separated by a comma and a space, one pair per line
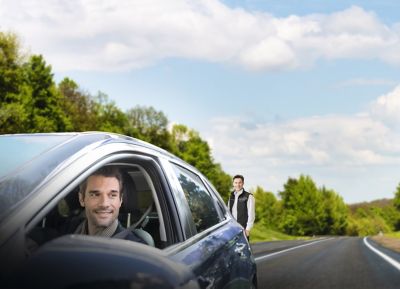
78, 106
396, 200
44, 109
363, 223
335, 213
379, 215
389, 214
149, 125
13, 92
190, 147
221, 180
109, 117
10, 68
266, 207
302, 207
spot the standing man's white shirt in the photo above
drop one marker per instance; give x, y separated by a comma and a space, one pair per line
250, 209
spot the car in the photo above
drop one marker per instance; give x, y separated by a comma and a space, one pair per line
192, 241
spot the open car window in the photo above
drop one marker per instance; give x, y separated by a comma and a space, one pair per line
140, 211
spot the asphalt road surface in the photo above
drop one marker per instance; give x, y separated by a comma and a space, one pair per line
339, 262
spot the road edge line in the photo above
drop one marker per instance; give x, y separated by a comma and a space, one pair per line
257, 259
390, 260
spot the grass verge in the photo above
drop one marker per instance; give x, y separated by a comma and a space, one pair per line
261, 233
393, 234
389, 240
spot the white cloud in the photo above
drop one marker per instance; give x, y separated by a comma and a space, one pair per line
124, 34
272, 53
387, 108
317, 141
356, 152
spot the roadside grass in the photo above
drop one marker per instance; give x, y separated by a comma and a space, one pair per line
261, 233
393, 234
389, 240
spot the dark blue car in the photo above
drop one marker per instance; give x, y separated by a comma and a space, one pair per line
192, 240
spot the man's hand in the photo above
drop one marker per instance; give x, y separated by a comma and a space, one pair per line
247, 232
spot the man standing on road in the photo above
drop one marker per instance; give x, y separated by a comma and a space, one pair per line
242, 205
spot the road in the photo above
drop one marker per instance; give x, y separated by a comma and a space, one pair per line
340, 262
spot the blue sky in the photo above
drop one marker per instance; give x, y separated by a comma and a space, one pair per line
277, 88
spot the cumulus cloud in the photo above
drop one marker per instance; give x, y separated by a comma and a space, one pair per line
317, 141
360, 153
387, 108
126, 34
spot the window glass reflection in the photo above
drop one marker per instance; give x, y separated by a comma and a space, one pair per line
200, 201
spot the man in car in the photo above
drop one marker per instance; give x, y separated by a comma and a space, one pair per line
101, 196
242, 205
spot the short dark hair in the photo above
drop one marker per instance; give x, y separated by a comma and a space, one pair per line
107, 171
238, 177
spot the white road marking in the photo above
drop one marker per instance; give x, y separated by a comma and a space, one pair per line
384, 256
290, 249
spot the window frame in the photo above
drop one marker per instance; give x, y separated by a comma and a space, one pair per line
187, 211
154, 176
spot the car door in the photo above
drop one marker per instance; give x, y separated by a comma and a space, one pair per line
76, 261
215, 249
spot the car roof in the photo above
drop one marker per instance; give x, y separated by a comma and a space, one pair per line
95, 136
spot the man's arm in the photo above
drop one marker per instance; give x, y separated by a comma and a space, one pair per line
251, 214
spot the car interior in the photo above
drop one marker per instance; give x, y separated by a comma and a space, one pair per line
139, 212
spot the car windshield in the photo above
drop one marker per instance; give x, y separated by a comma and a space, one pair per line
26, 160
15, 151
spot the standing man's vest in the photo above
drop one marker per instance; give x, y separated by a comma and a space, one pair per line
242, 213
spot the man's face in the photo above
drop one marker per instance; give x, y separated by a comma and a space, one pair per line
102, 201
237, 184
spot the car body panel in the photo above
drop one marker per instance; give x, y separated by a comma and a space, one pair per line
222, 256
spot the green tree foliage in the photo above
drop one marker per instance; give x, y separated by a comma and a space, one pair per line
13, 92
370, 218
89, 113
307, 210
364, 223
267, 207
221, 181
389, 214
29, 99
78, 106
396, 200
188, 145
110, 118
149, 125
11, 76
302, 207
45, 109
335, 213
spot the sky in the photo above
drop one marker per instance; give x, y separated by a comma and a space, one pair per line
277, 88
